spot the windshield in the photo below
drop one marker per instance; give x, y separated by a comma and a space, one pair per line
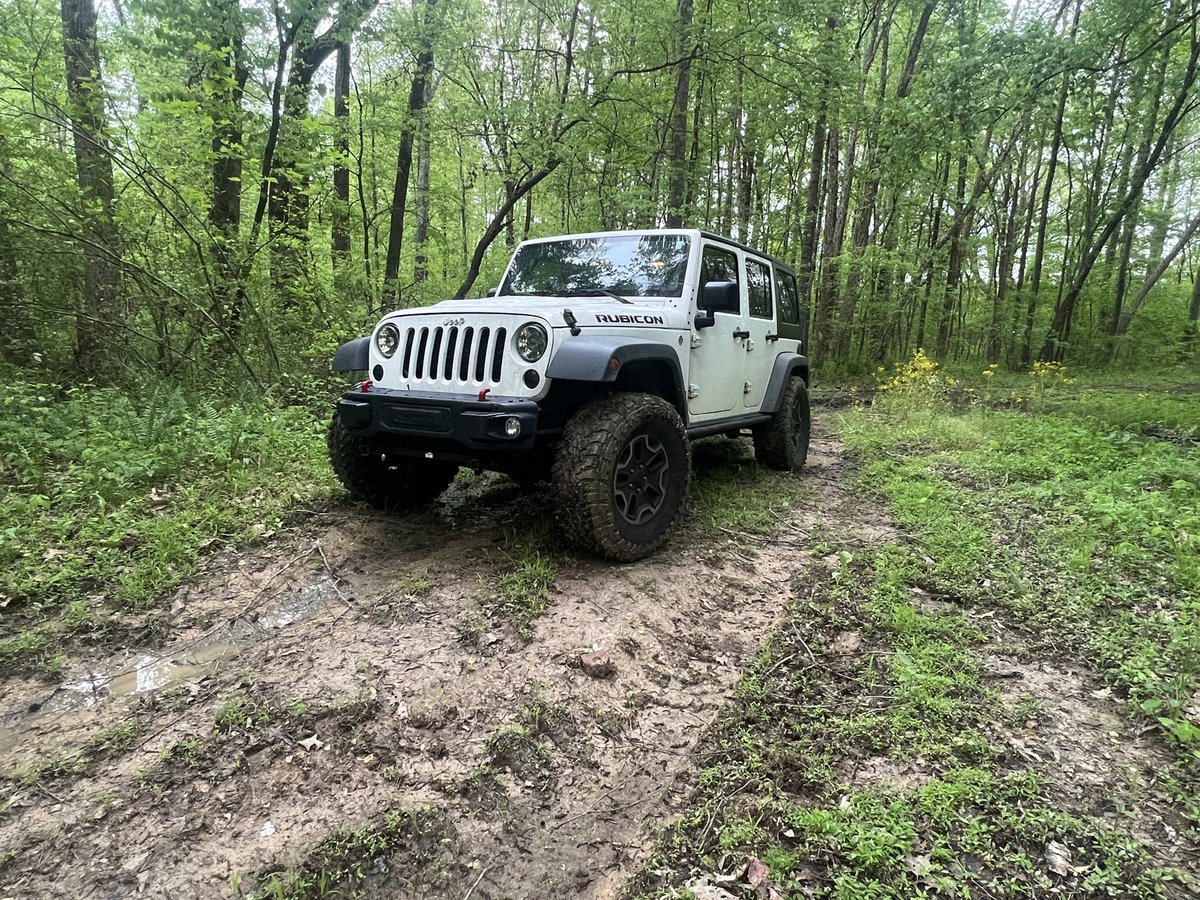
632, 265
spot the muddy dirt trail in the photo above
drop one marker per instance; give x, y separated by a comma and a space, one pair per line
345, 671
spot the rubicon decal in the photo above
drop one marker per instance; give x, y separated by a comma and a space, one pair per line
622, 319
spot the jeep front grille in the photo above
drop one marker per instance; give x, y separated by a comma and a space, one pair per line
463, 355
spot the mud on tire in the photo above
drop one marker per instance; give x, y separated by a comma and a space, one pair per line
385, 484
621, 475
782, 443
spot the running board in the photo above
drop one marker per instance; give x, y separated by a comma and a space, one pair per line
710, 428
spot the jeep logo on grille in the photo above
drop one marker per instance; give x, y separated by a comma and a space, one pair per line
450, 323
623, 319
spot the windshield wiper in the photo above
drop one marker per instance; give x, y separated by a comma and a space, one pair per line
594, 292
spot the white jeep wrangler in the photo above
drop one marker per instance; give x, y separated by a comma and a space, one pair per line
594, 363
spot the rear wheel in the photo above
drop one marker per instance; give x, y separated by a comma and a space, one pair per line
389, 484
782, 443
621, 474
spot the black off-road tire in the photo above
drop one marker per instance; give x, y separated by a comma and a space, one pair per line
621, 475
392, 484
782, 443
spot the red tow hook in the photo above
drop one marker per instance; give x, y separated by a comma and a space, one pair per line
483, 394
365, 386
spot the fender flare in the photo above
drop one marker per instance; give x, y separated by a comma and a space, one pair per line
786, 365
353, 356
590, 358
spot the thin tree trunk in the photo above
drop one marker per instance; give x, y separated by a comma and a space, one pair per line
421, 233
16, 333
98, 333
1153, 277
416, 103
677, 162
340, 216
827, 294
1055, 338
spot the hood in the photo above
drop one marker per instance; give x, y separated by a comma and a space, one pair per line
588, 311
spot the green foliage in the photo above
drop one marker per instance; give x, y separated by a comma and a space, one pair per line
1088, 532
109, 499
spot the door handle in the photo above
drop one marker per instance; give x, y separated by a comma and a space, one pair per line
772, 338
741, 334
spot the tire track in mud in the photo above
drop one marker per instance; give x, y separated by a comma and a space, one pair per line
410, 709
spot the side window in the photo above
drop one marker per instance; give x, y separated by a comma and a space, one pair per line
758, 283
789, 297
719, 265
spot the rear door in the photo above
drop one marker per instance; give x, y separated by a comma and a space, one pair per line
760, 346
717, 364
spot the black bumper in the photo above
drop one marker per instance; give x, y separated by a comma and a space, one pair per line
445, 419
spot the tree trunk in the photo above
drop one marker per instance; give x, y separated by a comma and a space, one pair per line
98, 332
421, 233
677, 163
225, 208
1055, 338
1193, 323
827, 295
417, 98
293, 154
1152, 278
340, 215
16, 334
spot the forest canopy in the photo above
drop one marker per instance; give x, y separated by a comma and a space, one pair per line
190, 190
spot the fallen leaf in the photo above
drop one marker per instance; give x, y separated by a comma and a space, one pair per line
54, 553
919, 864
757, 872
311, 743
1058, 858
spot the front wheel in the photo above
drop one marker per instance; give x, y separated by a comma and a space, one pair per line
388, 484
782, 443
621, 474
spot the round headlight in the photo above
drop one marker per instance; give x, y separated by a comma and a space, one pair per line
531, 341
387, 339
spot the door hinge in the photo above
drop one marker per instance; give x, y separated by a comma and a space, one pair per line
693, 391
749, 344
747, 388
696, 341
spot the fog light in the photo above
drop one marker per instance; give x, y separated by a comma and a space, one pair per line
512, 426
532, 378
377, 373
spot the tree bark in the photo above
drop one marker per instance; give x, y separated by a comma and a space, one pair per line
1055, 338
98, 332
417, 98
677, 161
293, 156
340, 215
225, 209
16, 333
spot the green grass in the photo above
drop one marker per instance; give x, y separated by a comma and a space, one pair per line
1085, 533
1065, 521
730, 492
403, 844
108, 500
520, 592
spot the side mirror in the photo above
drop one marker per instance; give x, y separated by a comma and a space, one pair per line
705, 320
720, 296
492, 292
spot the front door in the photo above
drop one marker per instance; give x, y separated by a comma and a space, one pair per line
715, 374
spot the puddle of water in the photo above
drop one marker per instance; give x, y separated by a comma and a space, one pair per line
151, 671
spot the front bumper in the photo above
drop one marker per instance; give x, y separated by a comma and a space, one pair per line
443, 419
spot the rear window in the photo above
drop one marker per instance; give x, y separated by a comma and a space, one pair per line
758, 282
789, 297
